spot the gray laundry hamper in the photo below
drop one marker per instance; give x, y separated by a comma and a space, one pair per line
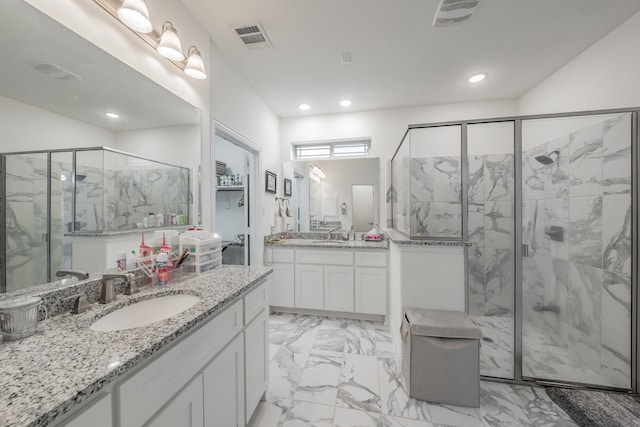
441, 357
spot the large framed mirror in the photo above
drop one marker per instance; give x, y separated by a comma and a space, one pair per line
334, 194
56, 89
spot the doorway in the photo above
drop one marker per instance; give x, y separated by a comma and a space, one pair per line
236, 164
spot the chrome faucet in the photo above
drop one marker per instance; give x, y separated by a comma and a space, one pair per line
108, 294
81, 275
331, 231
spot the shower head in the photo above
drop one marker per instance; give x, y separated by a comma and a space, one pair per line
547, 160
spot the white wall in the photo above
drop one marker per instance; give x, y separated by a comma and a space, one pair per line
53, 131
603, 76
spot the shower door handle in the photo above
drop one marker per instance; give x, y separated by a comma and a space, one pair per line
525, 251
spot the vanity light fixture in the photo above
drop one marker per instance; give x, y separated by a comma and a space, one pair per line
195, 65
304, 107
135, 15
112, 115
317, 172
477, 78
345, 102
169, 45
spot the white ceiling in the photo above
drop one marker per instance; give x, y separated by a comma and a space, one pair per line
399, 58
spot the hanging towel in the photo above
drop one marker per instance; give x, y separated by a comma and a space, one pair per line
288, 208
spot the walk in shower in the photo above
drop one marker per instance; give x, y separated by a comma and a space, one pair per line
546, 204
46, 196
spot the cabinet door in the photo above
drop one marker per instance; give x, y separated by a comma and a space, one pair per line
338, 288
309, 286
98, 414
371, 290
256, 361
184, 410
224, 387
282, 285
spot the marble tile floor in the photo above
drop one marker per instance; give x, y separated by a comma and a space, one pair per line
339, 372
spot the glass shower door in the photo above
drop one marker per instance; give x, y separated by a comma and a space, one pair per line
26, 228
576, 257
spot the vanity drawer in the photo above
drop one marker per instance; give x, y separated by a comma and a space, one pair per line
332, 257
256, 301
147, 391
371, 259
283, 255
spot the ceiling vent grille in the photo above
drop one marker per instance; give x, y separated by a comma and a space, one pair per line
56, 72
454, 12
253, 36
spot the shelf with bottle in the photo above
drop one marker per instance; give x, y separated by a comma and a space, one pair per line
230, 188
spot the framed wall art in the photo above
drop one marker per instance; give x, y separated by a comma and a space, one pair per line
270, 180
287, 187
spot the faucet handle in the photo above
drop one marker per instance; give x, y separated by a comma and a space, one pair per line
80, 303
132, 285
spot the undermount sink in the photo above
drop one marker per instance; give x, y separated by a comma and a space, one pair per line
144, 313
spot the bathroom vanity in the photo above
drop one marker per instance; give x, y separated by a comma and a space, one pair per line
347, 277
204, 366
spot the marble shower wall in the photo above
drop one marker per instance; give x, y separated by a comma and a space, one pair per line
436, 209
131, 195
119, 199
26, 220
490, 262
577, 226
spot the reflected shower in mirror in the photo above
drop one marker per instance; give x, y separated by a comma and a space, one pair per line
331, 194
56, 89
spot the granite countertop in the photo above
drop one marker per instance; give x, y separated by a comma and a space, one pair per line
64, 363
114, 233
401, 239
333, 244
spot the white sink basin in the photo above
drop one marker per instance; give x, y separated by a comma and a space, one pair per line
144, 313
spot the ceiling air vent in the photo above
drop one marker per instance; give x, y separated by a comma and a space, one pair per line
454, 12
253, 36
56, 72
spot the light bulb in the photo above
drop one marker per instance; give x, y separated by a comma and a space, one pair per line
195, 65
135, 15
169, 45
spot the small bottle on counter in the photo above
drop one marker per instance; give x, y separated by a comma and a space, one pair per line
151, 220
121, 261
163, 271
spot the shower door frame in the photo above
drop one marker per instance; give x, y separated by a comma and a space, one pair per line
517, 224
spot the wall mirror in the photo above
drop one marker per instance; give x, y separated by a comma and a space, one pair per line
55, 91
332, 194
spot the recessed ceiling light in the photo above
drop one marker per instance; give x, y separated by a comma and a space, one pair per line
477, 78
112, 115
304, 107
345, 102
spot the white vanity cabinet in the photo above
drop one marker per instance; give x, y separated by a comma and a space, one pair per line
338, 288
223, 387
337, 280
186, 409
371, 282
309, 286
283, 278
214, 377
96, 414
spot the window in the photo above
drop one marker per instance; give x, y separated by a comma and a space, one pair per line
328, 150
